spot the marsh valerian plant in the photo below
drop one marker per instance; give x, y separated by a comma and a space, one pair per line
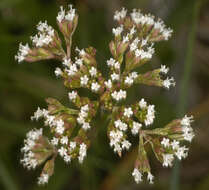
133, 46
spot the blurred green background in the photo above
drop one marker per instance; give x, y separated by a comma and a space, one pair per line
24, 87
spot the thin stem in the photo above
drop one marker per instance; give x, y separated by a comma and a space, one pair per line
183, 95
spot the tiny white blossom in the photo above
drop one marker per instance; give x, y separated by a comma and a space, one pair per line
22, 52
137, 175
115, 77
142, 103
70, 14
86, 126
175, 144
93, 71
43, 179
108, 84
84, 80
126, 144
61, 14
64, 140
136, 127
59, 127
37, 114
58, 72
72, 145
164, 69
168, 159
95, 86
150, 178
169, 82
128, 112
150, 115
62, 151
72, 95
181, 152
129, 80
117, 31
120, 14
186, 121
82, 152
119, 95
165, 142
55, 141
67, 158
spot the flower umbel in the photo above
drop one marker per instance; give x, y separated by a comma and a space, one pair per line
133, 44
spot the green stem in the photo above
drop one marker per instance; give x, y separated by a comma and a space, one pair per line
183, 95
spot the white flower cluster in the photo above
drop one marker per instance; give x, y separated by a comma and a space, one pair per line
43, 179
128, 112
22, 52
66, 15
82, 152
72, 95
117, 31
138, 176
186, 128
50, 120
83, 114
150, 112
119, 95
113, 63
139, 18
145, 54
45, 35
129, 80
120, 14
169, 82
164, 69
118, 141
136, 127
29, 161
108, 84
179, 152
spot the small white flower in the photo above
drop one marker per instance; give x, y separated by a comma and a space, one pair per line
150, 115
119, 95
81, 52
169, 82
55, 141
108, 84
165, 142
129, 80
150, 178
132, 31
126, 144
84, 80
22, 52
72, 95
95, 86
142, 103
134, 44
64, 140
37, 114
61, 14
115, 77
136, 127
168, 159
181, 152
93, 71
62, 151
120, 14
43, 179
66, 62
117, 31
186, 121
70, 14
82, 152
120, 125
86, 126
58, 72
164, 69
128, 112
137, 175
59, 127
67, 158
72, 145
175, 144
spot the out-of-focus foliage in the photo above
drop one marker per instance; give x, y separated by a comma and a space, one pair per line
24, 87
